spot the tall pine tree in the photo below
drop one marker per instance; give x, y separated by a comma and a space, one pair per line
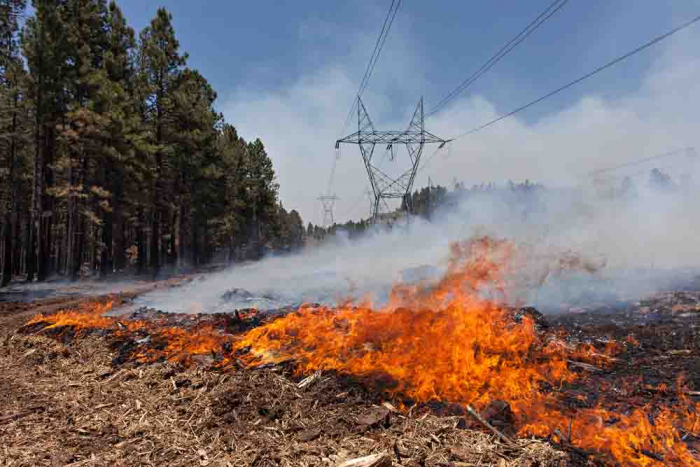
160, 65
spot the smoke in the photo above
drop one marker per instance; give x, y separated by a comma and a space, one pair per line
644, 242
576, 249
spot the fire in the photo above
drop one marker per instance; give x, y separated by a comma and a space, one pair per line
447, 342
181, 344
89, 316
451, 341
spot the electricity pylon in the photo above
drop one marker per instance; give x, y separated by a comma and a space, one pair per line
413, 138
328, 202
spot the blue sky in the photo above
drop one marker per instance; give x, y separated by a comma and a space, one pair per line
286, 71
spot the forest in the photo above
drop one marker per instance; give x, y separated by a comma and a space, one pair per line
112, 155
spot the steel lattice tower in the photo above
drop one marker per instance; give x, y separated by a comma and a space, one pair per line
328, 202
414, 138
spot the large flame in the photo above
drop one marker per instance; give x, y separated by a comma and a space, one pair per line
452, 341
449, 342
445, 342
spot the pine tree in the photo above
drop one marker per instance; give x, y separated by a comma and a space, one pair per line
115, 100
83, 132
45, 47
13, 121
193, 140
230, 169
261, 199
160, 65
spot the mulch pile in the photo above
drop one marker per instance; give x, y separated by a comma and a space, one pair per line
68, 405
66, 401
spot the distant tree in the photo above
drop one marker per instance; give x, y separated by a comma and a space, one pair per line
660, 181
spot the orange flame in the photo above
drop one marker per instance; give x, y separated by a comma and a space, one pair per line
449, 343
88, 316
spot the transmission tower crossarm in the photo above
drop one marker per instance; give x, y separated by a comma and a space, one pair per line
383, 137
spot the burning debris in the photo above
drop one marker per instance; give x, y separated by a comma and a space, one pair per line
443, 344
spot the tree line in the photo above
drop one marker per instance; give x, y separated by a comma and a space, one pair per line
112, 155
429, 201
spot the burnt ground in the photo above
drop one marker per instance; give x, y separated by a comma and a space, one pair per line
73, 402
667, 328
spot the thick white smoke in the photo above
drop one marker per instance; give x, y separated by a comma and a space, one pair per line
637, 243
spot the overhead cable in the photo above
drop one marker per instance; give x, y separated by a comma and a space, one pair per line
578, 80
529, 29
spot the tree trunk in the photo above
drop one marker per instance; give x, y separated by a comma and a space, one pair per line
173, 239
195, 244
106, 261
155, 247
48, 202
67, 244
7, 251
17, 253
182, 236
70, 221
78, 251
9, 215
30, 253
35, 253
119, 246
140, 242
79, 248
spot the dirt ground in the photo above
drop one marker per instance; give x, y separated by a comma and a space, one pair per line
69, 403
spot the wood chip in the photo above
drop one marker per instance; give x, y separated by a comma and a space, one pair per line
375, 460
390, 407
375, 417
310, 379
584, 366
486, 424
309, 435
114, 376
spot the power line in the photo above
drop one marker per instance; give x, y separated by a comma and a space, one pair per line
427, 161
529, 29
576, 81
330, 179
568, 85
688, 151
612, 178
357, 202
379, 45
